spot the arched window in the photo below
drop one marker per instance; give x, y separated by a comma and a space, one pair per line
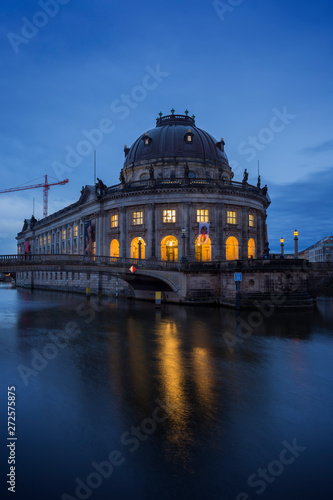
138, 248
114, 248
231, 248
169, 249
251, 253
203, 249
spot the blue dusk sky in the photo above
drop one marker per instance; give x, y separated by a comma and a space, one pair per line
256, 72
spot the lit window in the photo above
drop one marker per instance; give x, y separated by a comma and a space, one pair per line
202, 215
114, 220
169, 215
69, 232
189, 136
231, 217
137, 218
48, 239
75, 231
251, 220
147, 140
44, 240
63, 234
40, 241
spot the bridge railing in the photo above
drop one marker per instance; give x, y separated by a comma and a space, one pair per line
103, 260
98, 260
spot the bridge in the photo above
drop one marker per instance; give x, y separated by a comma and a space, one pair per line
183, 282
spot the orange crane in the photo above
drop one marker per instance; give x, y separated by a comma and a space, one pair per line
45, 185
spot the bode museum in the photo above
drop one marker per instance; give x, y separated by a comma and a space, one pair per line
176, 201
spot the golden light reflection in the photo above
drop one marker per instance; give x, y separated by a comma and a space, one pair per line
204, 376
172, 374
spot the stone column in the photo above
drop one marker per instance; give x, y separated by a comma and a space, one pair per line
72, 238
151, 253
219, 254
243, 251
123, 235
188, 231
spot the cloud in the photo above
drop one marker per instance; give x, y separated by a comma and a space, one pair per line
320, 148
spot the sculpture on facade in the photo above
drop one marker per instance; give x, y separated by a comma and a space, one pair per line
121, 177
100, 187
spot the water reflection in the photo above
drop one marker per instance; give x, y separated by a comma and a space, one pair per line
203, 368
228, 410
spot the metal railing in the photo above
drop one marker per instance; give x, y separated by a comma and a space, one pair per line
95, 260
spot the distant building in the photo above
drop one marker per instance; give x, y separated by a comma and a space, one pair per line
322, 251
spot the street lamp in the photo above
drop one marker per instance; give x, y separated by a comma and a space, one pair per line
282, 246
296, 244
140, 243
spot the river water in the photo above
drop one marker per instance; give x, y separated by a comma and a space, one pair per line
120, 400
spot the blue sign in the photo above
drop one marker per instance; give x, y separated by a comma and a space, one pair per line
238, 276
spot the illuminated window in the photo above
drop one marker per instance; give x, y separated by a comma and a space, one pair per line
147, 140
114, 220
75, 231
40, 241
44, 240
63, 234
169, 215
69, 231
251, 220
231, 217
232, 249
48, 239
137, 218
189, 136
202, 215
251, 249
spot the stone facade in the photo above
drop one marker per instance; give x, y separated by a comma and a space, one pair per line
174, 177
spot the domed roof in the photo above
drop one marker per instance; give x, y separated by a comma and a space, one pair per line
176, 136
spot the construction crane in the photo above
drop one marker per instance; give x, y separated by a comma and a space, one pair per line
45, 185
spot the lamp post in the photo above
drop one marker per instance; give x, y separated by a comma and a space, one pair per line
282, 246
140, 243
296, 244
184, 258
